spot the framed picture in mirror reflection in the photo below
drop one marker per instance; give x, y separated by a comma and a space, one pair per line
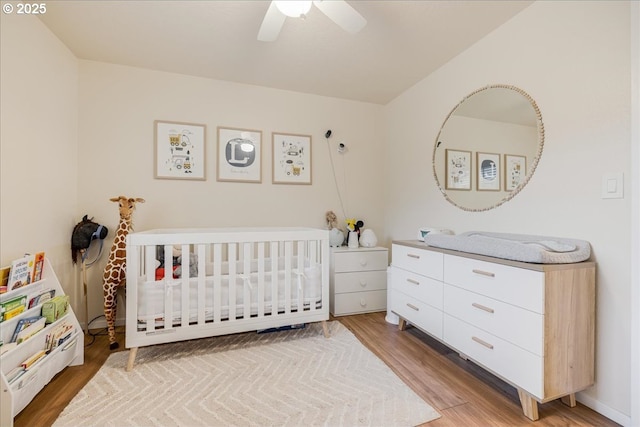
488, 167
458, 169
515, 170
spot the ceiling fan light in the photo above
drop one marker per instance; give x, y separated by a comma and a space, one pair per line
294, 8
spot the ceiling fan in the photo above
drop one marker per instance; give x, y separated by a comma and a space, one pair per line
339, 11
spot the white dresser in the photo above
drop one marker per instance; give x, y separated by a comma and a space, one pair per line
358, 280
530, 324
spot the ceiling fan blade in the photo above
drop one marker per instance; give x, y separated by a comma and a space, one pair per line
340, 12
271, 24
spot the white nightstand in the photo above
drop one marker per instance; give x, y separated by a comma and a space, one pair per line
358, 281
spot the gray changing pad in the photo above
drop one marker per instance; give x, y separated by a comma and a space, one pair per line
516, 247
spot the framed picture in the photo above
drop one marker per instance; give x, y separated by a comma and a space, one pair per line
239, 155
291, 158
515, 169
488, 167
457, 170
179, 150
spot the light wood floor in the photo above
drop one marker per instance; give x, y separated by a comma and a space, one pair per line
462, 393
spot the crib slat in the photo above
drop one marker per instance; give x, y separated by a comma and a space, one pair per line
313, 260
288, 255
273, 253
202, 272
261, 262
247, 256
168, 288
184, 294
231, 247
300, 275
217, 277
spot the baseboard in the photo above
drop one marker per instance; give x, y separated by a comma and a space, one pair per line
604, 410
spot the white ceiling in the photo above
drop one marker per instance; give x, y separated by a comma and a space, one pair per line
402, 42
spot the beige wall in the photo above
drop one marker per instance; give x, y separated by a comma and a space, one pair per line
39, 150
118, 106
573, 59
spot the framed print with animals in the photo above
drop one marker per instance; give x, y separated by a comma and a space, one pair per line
457, 169
179, 150
239, 155
515, 169
291, 158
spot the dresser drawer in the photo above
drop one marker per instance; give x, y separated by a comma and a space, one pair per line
360, 302
516, 325
517, 286
360, 281
518, 366
422, 315
421, 261
422, 288
360, 260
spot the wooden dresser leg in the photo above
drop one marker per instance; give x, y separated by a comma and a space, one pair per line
569, 400
325, 329
132, 358
402, 324
529, 406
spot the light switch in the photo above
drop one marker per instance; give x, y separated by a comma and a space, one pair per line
613, 186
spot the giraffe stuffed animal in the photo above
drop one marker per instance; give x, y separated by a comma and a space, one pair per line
115, 271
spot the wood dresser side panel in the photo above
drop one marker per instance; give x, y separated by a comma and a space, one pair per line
569, 330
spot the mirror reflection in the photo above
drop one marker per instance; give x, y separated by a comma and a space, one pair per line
488, 147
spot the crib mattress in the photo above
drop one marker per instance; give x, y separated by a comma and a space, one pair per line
153, 294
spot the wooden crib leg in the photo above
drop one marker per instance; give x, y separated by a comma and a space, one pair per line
325, 329
132, 358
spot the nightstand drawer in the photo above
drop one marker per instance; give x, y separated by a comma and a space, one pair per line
360, 302
358, 281
360, 260
421, 261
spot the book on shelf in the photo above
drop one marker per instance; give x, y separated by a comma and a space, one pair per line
41, 296
55, 308
12, 307
14, 374
38, 266
33, 359
58, 335
22, 325
21, 271
30, 330
4, 279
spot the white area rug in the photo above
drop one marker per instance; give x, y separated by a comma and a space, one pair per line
288, 378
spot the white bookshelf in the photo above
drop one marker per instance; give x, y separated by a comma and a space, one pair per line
15, 396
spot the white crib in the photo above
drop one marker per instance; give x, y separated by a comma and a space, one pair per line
247, 279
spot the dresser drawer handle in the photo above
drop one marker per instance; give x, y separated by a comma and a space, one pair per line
363, 302
482, 307
413, 282
413, 307
363, 262
481, 342
413, 256
484, 273
363, 283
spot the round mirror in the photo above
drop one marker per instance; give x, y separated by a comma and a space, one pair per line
488, 147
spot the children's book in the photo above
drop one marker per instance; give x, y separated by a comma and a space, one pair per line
20, 274
38, 266
4, 279
41, 296
31, 330
12, 307
22, 325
